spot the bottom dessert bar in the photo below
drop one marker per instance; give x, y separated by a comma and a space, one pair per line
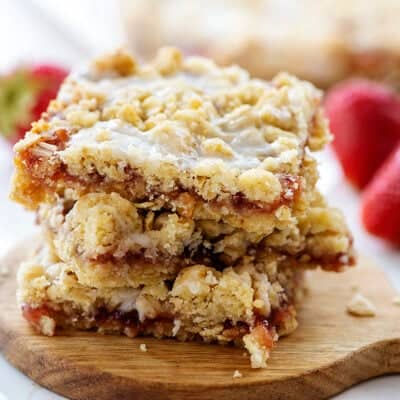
250, 304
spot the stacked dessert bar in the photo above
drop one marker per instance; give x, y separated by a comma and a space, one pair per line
177, 199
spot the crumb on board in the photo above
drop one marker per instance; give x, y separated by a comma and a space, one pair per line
354, 287
143, 347
361, 306
237, 374
396, 300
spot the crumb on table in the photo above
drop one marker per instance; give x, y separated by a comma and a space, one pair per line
143, 347
361, 306
237, 374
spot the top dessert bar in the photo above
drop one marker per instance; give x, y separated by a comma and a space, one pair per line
175, 125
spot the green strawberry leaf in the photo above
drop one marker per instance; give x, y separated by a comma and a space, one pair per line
17, 96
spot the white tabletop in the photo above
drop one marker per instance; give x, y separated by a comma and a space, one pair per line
46, 30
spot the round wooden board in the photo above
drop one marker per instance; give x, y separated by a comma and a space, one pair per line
329, 352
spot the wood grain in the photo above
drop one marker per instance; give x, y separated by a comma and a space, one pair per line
329, 352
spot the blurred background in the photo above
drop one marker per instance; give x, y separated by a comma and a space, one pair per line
325, 42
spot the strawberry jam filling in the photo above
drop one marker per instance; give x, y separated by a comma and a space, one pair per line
262, 334
48, 176
130, 324
34, 314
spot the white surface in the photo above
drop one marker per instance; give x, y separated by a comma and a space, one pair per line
29, 33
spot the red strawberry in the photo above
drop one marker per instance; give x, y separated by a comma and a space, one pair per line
380, 210
365, 121
24, 95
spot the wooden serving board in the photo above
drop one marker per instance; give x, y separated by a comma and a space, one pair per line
329, 352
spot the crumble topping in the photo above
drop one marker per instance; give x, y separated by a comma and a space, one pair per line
180, 122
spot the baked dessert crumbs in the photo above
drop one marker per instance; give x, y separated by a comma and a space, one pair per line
361, 306
237, 374
143, 347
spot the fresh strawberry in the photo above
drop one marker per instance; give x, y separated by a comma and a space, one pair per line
365, 121
24, 94
380, 210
